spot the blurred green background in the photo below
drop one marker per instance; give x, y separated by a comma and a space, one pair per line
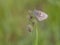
13, 22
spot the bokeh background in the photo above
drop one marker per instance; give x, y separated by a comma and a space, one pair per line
13, 22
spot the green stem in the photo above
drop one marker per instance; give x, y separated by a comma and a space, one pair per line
36, 32
36, 42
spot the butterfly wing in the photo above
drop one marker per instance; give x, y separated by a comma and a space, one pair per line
40, 15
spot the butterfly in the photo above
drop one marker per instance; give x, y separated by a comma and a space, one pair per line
40, 15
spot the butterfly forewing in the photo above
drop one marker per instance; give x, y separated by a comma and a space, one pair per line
40, 15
